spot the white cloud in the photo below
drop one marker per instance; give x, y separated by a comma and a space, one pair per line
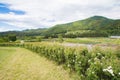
2, 29
46, 13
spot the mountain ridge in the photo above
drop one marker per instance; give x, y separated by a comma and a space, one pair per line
93, 24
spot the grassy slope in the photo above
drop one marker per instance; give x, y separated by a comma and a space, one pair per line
95, 23
21, 64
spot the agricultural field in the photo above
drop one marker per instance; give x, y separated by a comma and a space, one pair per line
83, 64
22, 64
93, 40
59, 40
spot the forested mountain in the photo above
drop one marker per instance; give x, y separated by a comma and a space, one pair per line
93, 25
28, 32
96, 26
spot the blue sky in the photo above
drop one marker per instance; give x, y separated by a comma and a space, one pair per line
29, 14
5, 10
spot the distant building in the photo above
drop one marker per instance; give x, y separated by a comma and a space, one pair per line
117, 37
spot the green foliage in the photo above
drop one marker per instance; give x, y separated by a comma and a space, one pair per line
4, 39
99, 64
86, 33
118, 52
95, 40
39, 39
60, 38
12, 38
1, 40
96, 26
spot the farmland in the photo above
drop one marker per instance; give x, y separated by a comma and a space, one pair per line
79, 50
59, 40
93, 40
88, 65
22, 64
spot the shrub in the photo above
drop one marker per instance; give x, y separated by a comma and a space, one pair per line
95, 65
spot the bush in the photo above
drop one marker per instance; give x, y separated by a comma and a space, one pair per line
95, 65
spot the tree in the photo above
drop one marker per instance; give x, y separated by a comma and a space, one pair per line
4, 39
40, 38
12, 38
60, 38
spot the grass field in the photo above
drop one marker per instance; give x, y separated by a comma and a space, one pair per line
93, 40
22, 64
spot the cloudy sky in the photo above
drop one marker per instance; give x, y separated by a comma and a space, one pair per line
31, 14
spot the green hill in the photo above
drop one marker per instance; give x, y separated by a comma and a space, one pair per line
96, 26
28, 32
93, 24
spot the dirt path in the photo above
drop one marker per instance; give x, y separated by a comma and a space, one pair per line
23, 64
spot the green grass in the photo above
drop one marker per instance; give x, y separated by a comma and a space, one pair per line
22, 64
93, 40
5, 52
